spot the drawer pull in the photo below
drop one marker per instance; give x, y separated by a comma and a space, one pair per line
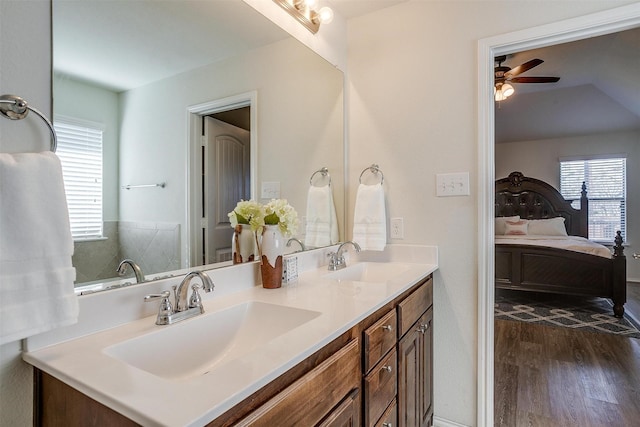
387, 328
387, 368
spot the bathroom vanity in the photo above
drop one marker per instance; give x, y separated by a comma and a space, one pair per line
359, 352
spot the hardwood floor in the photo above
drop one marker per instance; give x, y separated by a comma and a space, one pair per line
546, 376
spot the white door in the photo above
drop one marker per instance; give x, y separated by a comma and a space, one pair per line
226, 178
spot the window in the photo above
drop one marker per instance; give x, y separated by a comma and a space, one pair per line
80, 152
606, 191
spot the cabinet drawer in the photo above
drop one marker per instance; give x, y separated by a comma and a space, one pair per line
412, 307
379, 338
311, 398
390, 416
380, 388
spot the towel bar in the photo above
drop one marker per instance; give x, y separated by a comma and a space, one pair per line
374, 169
129, 186
15, 108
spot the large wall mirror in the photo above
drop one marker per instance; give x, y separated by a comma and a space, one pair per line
137, 71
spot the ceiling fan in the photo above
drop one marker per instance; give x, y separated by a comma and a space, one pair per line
505, 75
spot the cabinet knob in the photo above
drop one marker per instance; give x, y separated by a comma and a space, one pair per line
387, 368
387, 328
387, 425
421, 329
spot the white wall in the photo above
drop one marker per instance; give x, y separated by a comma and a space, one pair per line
540, 159
413, 110
84, 101
300, 116
25, 70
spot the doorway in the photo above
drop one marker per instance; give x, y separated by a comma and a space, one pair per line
222, 155
614, 20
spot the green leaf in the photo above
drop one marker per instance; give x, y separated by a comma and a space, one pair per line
241, 219
271, 219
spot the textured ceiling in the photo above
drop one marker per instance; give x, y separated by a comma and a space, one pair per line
598, 91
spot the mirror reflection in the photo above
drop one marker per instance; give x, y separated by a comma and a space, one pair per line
150, 77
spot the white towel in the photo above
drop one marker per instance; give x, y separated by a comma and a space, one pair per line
370, 219
321, 228
36, 274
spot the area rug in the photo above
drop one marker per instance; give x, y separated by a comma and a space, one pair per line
586, 314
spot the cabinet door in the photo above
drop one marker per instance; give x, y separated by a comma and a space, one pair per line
426, 377
346, 414
415, 379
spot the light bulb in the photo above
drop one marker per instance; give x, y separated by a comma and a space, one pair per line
325, 15
500, 95
507, 90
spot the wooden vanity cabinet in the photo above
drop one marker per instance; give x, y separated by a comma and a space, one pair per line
378, 373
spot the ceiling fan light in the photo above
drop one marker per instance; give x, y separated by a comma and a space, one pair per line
499, 95
507, 90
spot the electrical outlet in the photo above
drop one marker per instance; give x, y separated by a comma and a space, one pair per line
452, 184
397, 228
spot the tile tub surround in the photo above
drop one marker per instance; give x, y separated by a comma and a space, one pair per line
342, 305
155, 247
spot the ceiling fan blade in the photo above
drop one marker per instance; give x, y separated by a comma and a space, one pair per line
523, 67
534, 79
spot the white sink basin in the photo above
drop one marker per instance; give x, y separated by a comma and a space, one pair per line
197, 346
374, 272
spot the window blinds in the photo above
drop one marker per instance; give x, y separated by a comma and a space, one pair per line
606, 191
80, 152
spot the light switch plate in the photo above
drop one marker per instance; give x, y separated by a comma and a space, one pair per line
271, 190
452, 184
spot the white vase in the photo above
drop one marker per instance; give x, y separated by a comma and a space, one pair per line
272, 248
243, 244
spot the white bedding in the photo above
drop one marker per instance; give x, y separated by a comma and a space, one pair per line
571, 243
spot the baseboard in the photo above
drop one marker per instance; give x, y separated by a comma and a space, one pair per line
441, 422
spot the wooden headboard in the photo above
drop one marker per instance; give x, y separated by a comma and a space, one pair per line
535, 199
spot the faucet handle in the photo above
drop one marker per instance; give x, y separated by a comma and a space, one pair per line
196, 300
152, 297
165, 310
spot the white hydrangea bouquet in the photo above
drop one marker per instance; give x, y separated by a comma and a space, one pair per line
279, 212
248, 212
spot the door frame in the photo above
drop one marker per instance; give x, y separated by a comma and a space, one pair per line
195, 114
597, 24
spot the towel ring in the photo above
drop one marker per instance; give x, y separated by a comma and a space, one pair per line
374, 169
325, 173
15, 108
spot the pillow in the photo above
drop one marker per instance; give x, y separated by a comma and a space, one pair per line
500, 223
516, 228
547, 227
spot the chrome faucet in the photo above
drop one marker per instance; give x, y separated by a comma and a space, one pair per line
183, 309
336, 259
293, 239
181, 294
122, 269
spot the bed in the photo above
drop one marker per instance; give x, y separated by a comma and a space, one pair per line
534, 264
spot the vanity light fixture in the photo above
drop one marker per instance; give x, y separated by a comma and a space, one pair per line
307, 13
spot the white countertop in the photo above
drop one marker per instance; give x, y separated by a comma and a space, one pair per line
154, 401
